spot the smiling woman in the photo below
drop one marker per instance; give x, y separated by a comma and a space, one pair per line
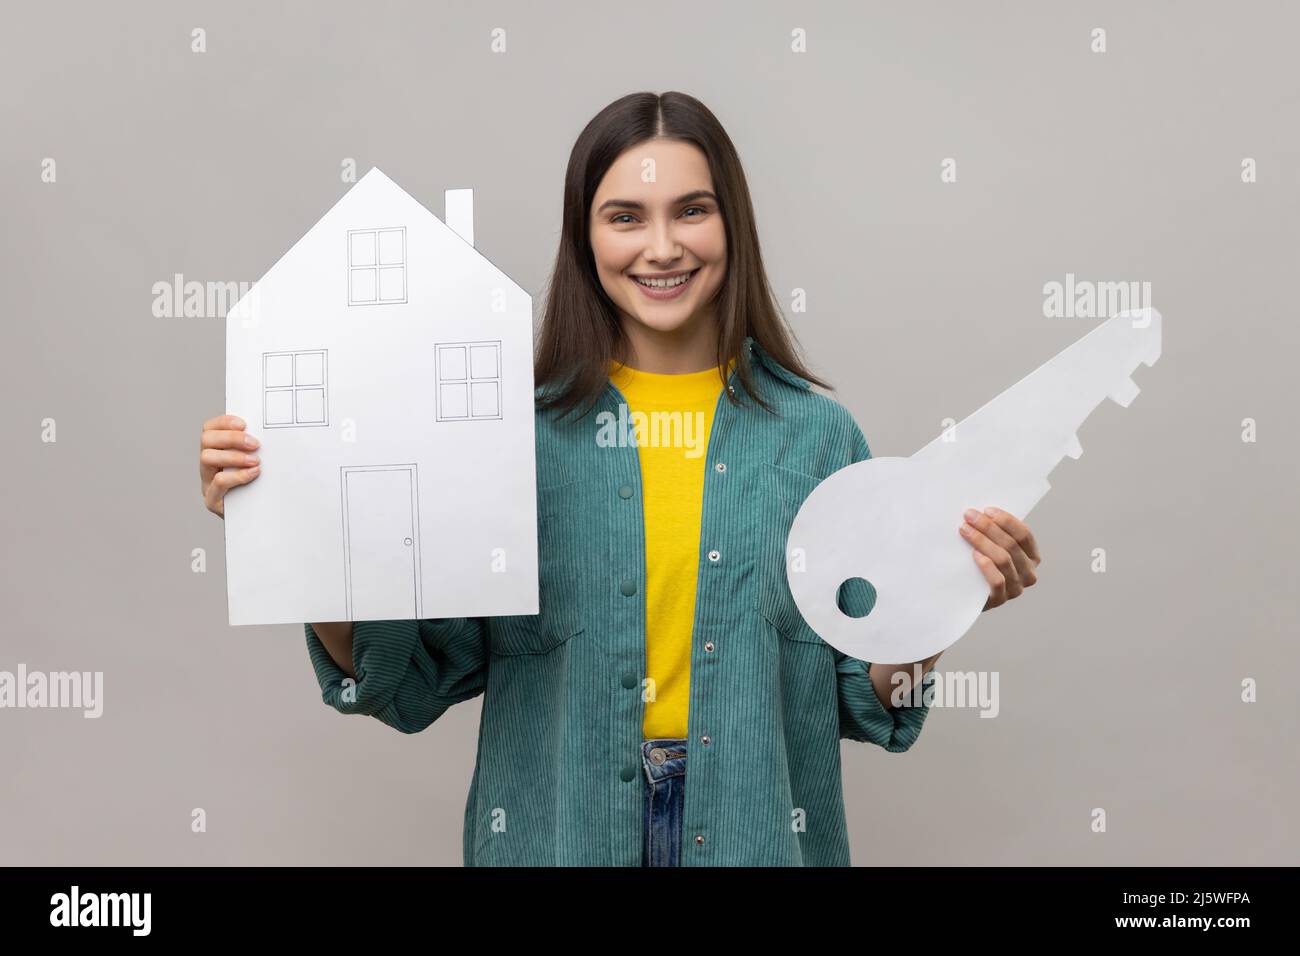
673, 247
667, 647
660, 247
654, 192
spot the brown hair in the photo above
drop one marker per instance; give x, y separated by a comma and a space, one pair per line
581, 330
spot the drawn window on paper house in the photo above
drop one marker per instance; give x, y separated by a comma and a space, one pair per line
293, 389
468, 380
377, 266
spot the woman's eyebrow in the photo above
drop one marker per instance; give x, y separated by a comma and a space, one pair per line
633, 204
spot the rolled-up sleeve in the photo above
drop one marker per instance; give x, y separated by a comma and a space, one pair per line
408, 672
862, 716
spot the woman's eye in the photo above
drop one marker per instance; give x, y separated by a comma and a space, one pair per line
700, 208
620, 216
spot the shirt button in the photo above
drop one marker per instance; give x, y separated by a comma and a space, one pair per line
628, 587
627, 774
705, 739
629, 680
720, 467
715, 556
625, 491
708, 646
699, 839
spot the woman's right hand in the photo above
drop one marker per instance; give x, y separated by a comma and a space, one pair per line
223, 443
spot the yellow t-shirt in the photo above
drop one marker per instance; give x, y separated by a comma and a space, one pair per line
672, 416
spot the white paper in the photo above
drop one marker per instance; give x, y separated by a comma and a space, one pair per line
893, 521
386, 367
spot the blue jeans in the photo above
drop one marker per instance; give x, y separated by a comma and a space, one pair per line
664, 760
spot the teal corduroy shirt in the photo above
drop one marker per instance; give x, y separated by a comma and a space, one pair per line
558, 778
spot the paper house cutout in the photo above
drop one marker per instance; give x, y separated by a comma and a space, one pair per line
386, 367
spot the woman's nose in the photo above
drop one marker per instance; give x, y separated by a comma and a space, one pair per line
663, 245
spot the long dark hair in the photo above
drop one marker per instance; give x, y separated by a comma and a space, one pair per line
581, 331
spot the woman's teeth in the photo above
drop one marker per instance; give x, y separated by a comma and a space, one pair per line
664, 283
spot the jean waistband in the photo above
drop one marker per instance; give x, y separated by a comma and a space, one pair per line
663, 757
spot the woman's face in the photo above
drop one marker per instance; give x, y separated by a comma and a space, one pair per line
655, 216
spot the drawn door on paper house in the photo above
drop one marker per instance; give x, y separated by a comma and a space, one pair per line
381, 542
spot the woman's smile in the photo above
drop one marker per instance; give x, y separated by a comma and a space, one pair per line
664, 285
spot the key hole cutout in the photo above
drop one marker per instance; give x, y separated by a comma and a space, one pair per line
856, 597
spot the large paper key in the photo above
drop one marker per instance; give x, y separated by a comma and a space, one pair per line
893, 521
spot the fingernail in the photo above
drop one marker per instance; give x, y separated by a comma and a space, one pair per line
971, 514
250, 441
965, 529
250, 460
239, 423
991, 512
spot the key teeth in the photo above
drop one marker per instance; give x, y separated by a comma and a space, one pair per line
1124, 393
1074, 449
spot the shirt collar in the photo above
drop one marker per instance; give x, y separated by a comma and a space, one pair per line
771, 364
751, 346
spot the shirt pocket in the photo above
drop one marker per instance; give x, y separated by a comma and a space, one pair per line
562, 511
782, 492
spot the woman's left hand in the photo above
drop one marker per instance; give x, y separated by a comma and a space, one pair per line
1005, 551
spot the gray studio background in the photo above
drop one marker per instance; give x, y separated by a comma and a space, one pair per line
1119, 690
